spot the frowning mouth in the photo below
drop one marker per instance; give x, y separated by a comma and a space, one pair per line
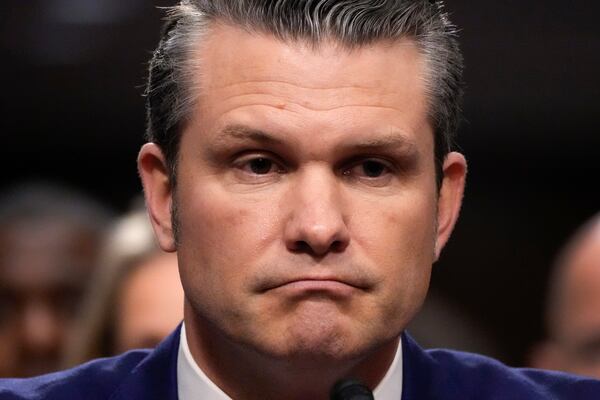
316, 285
349, 279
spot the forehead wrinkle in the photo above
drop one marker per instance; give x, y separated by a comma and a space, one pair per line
279, 100
290, 92
286, 83
289, 106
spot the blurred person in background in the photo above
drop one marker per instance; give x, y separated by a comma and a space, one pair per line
573, 307
49, 238
443, 324
137, 298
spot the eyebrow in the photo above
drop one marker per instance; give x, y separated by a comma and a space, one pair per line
395, 140
241, 132
392, 141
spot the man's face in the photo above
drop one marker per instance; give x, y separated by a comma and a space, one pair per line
306, 195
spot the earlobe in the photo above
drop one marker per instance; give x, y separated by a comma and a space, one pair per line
154, 173
450, 198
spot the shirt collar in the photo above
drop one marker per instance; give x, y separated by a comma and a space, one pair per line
390, 387
192, 382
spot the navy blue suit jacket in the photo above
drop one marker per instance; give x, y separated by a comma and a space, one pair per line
428, 375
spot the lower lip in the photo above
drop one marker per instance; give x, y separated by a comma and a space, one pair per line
306, 287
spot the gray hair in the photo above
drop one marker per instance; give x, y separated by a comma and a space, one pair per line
352, 23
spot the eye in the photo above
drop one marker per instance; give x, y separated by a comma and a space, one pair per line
370, 169
260, 166
373, 169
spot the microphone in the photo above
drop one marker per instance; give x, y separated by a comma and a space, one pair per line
350, 389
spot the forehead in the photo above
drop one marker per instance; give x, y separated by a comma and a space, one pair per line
381, 82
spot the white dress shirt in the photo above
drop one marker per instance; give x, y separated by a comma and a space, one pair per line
193, 384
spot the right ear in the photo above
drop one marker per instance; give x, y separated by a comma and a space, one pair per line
154, 173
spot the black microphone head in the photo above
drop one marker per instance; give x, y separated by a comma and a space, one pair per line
350, 389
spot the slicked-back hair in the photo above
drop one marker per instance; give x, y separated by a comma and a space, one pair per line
351, 23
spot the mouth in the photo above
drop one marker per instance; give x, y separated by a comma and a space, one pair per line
349, 278
323, 286
334, 286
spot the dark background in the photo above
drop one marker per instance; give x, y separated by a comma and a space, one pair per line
72, 74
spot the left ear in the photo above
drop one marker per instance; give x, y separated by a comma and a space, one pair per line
450, 198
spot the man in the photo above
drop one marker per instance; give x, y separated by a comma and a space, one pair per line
49, 239
300, 166
573, 309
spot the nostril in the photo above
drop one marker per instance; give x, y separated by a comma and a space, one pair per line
337, 246
301, 246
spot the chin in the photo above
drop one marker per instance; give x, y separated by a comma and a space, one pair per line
319, 340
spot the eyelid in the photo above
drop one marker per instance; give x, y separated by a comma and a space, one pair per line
243, 158
357, 161
254, 154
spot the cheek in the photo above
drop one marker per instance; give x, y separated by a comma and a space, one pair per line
218, 225
222, 238
413, 243
207, 219
209, 226
400, 233
398, 239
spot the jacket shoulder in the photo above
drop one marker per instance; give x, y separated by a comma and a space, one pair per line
441, 374
485, 378
94, 380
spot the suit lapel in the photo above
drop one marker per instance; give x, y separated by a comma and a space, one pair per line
155, 378
414, 381
424, 377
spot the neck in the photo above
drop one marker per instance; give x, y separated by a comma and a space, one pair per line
245, 374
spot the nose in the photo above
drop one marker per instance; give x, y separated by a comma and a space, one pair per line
317, 223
